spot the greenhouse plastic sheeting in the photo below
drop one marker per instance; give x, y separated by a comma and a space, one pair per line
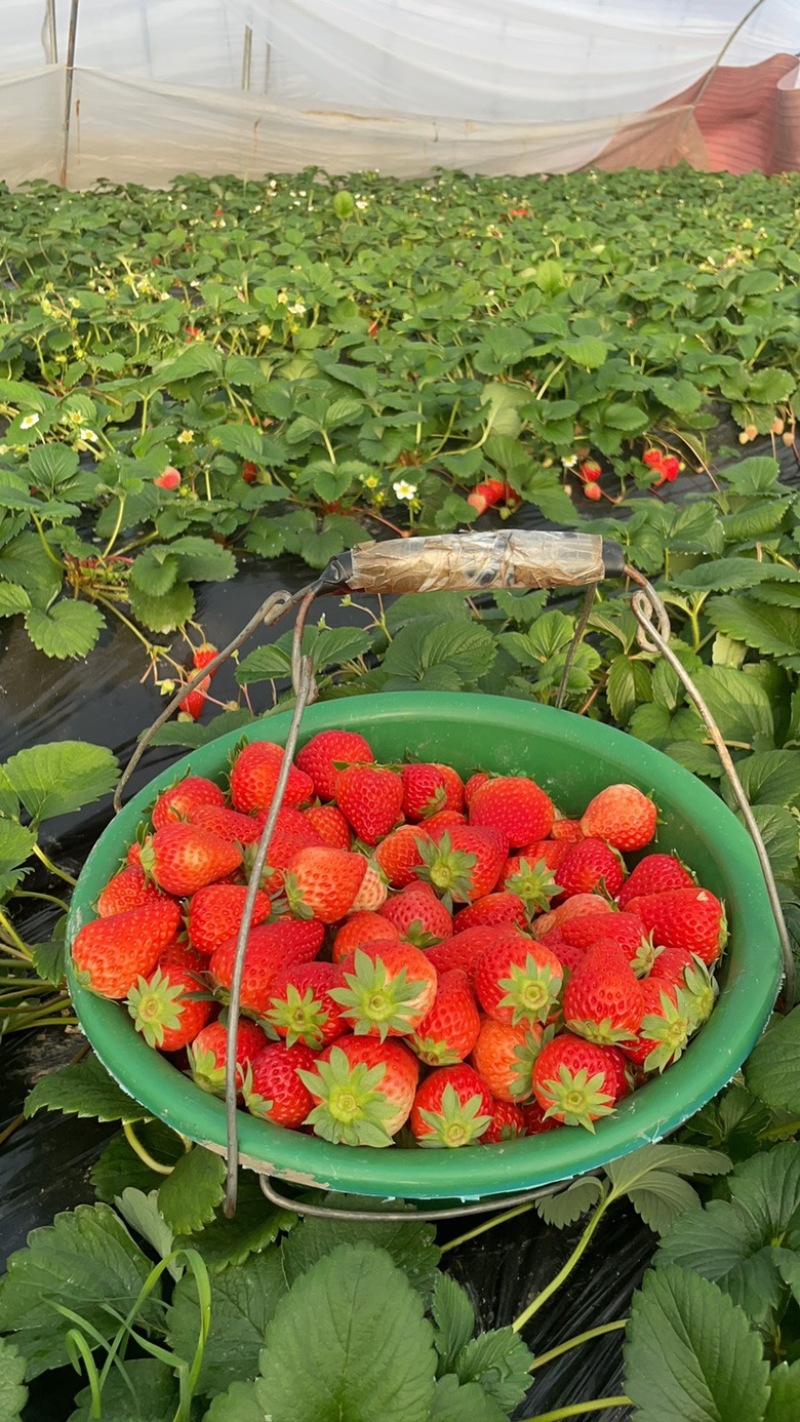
511, 86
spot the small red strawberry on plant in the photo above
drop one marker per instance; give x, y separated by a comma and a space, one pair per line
111, 953
206, 1054
622, 816
183, 858
273, 1086
302, 1007
193, 704
575, 1082
215, 912
503, 1057
518, 981
170, 1007
363, 1090
203, 655
388, 989
516, 806
182, 799
329, 752
371, 800
448, 1033
453, 1107
322, 882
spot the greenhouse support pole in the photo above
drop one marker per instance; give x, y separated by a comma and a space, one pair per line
70, 69
247, 57
51, 32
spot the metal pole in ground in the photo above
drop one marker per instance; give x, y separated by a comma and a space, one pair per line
73, 31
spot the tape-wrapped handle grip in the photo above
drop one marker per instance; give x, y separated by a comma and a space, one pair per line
475, 562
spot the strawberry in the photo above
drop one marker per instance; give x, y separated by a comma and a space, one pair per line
180, 954
474, 784
464, 865
454, 787
670, 964
588, 866
507, 1124
363, 1090
419, 917
568, 956
202, 655
550, 851
449, 1031
194, 702
518, 980
532, 881
566, 831
626, 929
603, 1002
183, 858
270, 947
503, 1057
399, 855
373, 893
254, 775
274, 1087
362, 928
111, 953
371, 800
327, 753
227, 824
655, 874
574, 1081
503, 907
442, 819
622, 816
665, 1027
515, 805
129, 889
453, 1107
330, 824
389, 988
424, 791
536, 1123
464, 950
178, 802
206, 1054
134, 853
215, 912
166, 1008
684, 918
578, 904
302, 1007
284, 844
323, 882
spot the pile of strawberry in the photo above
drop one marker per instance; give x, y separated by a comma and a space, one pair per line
429, 961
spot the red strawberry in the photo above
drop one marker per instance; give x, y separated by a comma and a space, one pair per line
363, 1090
207, 1054
183, 858
180, 954
464, 865
574, 1081
626, 929
655, 874
274, 1087
166, 1009
684, 918
360, 929
134, 853
603, 1001
531, 880
254, 775
388, 989
536, 1123
442, 819
178, 802
518, 981
330, 824
588, 866
474, 784
302, 1008
454, 787
515, 805
127, 890
323, 882
566, 831
326, 753
111, 953
670, 964
665, 1027
201, 656
622, 816
507, 1124
419, 917
450, 1030
194, 702
551, 851
453, 1107
371, 799
373, 893
270, 947
283, 846
399, 855
464, 950
569, 957
578, 904
503, 1057
424, 791
503, 907
215, 912
227, 824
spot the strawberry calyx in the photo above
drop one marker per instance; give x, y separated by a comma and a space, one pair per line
603, 1032
644, 959
531, 990
446, 869
456, 1123
157, 1006
435, 1051
700, 991
378, 1001
534, 884
525, 1054
298, 1017
578, 1099
669, 1030
351, 1109
293, 895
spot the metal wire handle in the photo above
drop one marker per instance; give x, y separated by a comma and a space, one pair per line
330, 1212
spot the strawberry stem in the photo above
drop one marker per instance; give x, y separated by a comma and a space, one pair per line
143, 1153
553, 1353
577, 1409
486, 1225
564, 1272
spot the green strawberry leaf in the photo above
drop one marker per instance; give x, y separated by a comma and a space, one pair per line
67, 629
254, 1226
146, 1392
454, 1401
454, 1317
500, 1361
16, 846
784, 1393
189, 1196
13, 1393
564, 1207
118, 1167
83, 1089
411, 1244
772, 1072
58, 778
238, 1404
244, 1298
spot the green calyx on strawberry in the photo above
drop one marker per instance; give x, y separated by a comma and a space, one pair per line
447, 870
668, 1031
534, 884
169, 1009
351, 1109
458, 1115
570, 1082
299, 1017
390, 990
530, 991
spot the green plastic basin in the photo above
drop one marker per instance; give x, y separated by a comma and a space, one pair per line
572, 758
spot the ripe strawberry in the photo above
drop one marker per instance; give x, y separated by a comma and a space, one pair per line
536, 1123
274, 1086
424, 791
362, 928
603, 999
330, 824
665, 1027
454, 787
166, 1008
201, 656
194, 702
227, 824
550, 851
464, 950
670, 964
578, 904
206, 1054
574, 1081
180, 954
323, 882
503, 1057
134, 853
465, 864
419, 917
111, 953
399, 855
518, 980
326, 753
183, 858
532, 881
388, 989
655, 874
254, 775
442, 819
474, 784
215, 912
453, 1107
588, 866
302, 1007
503, 907
684, 918
373, 893
180, 800
568, 956
515, 805
363, 1090
371, 800
566, 831
622, 816
507, 1124
128, 889
626, 929
450, 1030
283, 846
270, 947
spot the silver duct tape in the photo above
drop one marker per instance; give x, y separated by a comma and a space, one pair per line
473, 561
